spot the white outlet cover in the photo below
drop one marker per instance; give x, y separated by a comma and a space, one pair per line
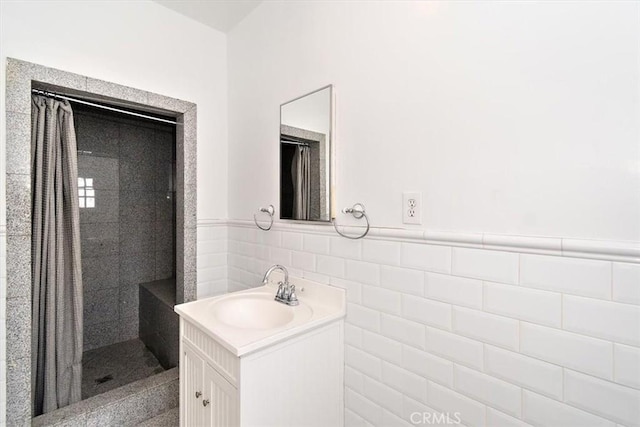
412, 207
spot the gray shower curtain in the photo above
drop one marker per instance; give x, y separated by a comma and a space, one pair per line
301, 173
56, 264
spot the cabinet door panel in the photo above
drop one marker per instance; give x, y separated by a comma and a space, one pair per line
222, 410
193, 368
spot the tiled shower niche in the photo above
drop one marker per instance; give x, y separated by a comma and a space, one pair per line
126, 170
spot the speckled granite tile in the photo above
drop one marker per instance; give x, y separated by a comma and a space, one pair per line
165, 397
164, 236
188, 146
18, 265
129, 327
18, 204
106, 208
129, 301
100, 306
165, 206
171, 418
104, 171
165, 265
136, 206
19, 387
169, 104
101, 334
137, 236
137, 268
190, 206
101, 272
18, 144
18, 80
65, 79
98, 135
189, 252
190, 287
18, 328
180, 295
113, 90
99, 240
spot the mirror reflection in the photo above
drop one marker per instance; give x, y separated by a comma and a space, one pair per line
305, 157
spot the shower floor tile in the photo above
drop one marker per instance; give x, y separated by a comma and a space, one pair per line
113, 366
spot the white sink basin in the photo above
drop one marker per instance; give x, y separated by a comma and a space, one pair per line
256, 311
246, 321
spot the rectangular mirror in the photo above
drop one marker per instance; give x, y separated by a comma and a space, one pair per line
305, 156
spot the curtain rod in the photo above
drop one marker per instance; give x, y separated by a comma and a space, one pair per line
305, 144
104, 107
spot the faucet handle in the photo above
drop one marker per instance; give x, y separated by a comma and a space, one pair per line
281, 290
292, 293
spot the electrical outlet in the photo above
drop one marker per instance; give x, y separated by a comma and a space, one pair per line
412, 207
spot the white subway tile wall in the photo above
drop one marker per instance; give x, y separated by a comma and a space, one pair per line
499, 338
212, 260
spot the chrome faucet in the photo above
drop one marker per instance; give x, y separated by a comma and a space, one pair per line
286, 293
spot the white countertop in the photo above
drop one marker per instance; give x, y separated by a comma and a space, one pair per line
320, 304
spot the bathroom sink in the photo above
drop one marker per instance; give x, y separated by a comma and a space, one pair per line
249, 320
256, 311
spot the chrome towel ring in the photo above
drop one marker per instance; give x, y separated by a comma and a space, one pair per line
268, 210
358, 212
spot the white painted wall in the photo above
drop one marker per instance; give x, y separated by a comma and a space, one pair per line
139, 44
510, 117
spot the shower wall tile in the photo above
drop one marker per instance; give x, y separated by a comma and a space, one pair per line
100, 306
101, 272
129, 328
137, 206
164, 233
129, 238
18, 136
165, 206
101, 334
103, 170
137, 268
136, 237
129, 300
99, 239
165, 265
137, 175
97, 135
165, 161
106, 208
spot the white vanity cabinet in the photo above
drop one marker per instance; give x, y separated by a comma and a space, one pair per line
209, 399
296, 382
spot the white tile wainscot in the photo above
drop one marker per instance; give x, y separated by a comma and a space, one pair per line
499, 312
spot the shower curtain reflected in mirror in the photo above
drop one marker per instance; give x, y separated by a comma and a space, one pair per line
56, 261
301, 174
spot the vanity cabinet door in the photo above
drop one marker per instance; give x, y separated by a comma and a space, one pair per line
193, 389
221, 398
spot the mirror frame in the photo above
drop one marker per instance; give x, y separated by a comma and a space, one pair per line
330, 151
